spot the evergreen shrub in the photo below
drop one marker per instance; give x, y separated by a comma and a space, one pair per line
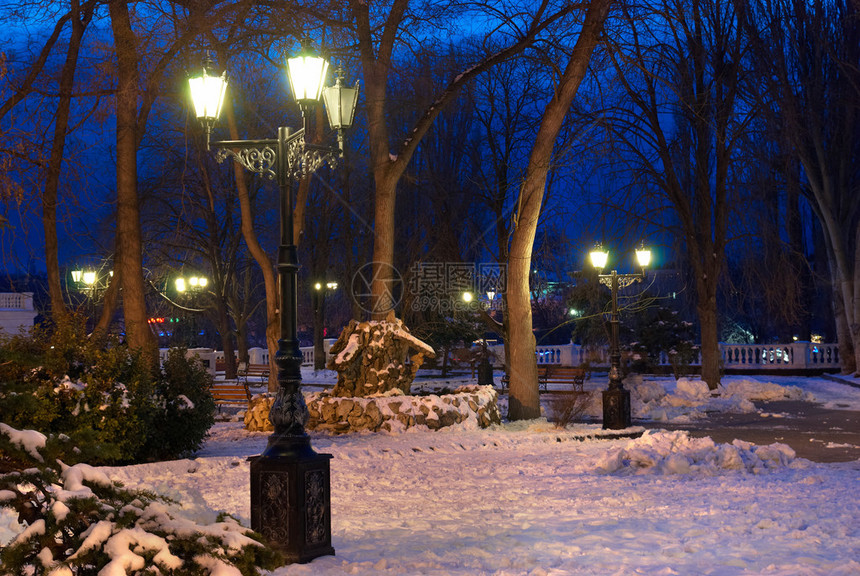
76, 522
111, 402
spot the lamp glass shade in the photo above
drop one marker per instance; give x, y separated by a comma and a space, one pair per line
331, 285
89, 278
340, 102
202, 282
193, 281
207, 94
599, 258
76, 275
180, 284
643, 257
307, 73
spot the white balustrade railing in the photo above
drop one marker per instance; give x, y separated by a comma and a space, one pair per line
796, 356
17, 314
16, 301
261, 355
207, 356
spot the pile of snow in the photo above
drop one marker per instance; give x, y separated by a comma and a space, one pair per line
690, 398
676, 452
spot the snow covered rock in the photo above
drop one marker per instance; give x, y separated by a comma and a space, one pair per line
370, 357
469, 406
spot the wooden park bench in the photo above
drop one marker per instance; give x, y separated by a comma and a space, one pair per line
569, 376
572, 376
259, 372
230, 393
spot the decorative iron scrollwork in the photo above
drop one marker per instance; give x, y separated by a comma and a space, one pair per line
260, 160
289, 412
275, 508
315, 511
624, 280
304, 160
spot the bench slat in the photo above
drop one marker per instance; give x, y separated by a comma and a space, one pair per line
253, 371
575, 376
230, 393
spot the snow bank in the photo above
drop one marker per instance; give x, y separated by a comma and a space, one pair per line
690, 398
661, 452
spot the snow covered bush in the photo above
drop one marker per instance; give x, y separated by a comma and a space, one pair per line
76, 522
110, 401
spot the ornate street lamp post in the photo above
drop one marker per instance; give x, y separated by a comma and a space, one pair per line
319, 294
290, 488
616, 399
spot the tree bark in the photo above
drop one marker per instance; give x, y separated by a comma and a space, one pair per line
79, 19
524, 398
138, 334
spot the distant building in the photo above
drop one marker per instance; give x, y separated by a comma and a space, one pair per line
16, 312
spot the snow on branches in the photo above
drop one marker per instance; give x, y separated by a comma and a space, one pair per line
76, 521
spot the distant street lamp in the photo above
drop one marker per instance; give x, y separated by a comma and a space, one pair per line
484, 369
191, 284
290, 487
91, 283
319, 293
616, 400
190, 288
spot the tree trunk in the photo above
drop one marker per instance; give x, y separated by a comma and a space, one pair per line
223, 317
52, 178
138, 333
260, 256
708, 323
318, 298
844, 342
382, 289
524, 395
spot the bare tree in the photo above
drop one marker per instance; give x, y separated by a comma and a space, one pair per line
678, 125
524, 400
378, 34
806, 56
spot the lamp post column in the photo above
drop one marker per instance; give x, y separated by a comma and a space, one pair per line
290, 482
290, 487
616, 399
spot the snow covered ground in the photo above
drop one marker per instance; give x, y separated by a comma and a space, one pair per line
528, 498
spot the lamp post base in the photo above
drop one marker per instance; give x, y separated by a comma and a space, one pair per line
485, 373
291, 503
616, 409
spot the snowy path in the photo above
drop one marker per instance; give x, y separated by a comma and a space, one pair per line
516, 501
528, 499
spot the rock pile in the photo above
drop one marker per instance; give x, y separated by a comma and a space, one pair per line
371, 358
257, 414
470, 406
